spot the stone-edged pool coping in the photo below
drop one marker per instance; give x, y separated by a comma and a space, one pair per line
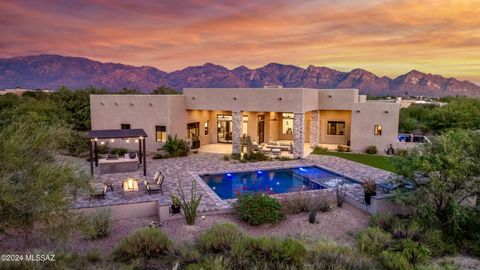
198, 178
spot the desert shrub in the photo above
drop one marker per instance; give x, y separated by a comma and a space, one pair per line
409, 230
268, 253
176, 147
188, 254
97, 225
219, 238
401, 152
297, 202
433, 239
77, 144
393, 261
255, 157
320, 150
371, 150
373, 240
119, 151
341, 148
258, 208
386, 221
93, 255
327, 255
212, 263
413, 251
142, 244
226, 158
318, 203
158, 156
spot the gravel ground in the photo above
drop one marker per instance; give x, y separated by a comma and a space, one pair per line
337, 225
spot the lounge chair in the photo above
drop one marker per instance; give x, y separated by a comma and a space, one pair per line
97, 190
156, 184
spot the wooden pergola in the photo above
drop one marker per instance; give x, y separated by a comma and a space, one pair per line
111, 134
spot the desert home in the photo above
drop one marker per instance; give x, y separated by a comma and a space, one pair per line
294, 116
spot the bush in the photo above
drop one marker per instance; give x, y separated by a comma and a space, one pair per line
103, 149
326, 255
401, 152
296, 203
340, 193
433, 239
394, 261
142, 244
158, 156
256, 157
319, 150
413, 251
258, 208
93, 256
268, 253
119, 151
219, 238
226, 158
77, 144
341, 148
373, 240
97, 225
236, 156
386, 221
189, 255
176, 147
371, 150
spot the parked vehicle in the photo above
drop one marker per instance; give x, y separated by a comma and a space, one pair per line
413, 138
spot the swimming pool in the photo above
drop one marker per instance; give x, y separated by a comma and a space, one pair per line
275, 181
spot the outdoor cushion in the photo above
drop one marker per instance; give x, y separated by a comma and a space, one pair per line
160, 180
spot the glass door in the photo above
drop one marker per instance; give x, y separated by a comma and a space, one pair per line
224, 128
261, 128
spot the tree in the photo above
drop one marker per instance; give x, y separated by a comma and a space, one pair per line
444, 175
164, 90
129, 91
36, 190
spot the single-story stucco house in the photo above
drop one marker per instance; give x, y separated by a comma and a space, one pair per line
223, 115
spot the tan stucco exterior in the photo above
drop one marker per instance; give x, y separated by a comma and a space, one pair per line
204, 104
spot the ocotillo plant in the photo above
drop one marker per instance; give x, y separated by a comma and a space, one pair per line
189, 205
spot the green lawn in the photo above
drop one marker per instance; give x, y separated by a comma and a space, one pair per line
377, 161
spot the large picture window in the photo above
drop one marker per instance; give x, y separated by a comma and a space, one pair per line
336, 128
287, 123
160, 133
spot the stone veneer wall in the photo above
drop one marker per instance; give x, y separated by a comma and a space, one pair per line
237, 123
298, 134
314, 129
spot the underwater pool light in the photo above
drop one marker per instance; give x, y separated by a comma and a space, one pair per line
259, 172
303, 169
229, 174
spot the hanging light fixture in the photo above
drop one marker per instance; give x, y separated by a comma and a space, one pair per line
112, 140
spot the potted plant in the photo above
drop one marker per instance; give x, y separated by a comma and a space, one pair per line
369, 190
175, 205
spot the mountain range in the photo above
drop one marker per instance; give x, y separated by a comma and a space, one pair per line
53, 71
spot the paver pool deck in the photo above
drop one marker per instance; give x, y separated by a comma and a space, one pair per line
186, 169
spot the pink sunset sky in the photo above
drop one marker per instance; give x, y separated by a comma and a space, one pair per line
386, 37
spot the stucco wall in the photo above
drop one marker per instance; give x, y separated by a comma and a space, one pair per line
140, 111
370, 114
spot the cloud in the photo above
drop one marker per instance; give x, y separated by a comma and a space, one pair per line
386, 37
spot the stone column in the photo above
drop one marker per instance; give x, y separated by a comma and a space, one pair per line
298, 134
237, 124
314, 129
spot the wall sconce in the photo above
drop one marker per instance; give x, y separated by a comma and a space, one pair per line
151, 105
112, 140
234, 98
136, 141
102, 142
95, 139
128, 141
358, 111
116, 103
101, 103
131, 104
280, 98
193, 97
330, 96
386, 111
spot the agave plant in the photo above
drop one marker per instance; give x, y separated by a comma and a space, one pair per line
189, 205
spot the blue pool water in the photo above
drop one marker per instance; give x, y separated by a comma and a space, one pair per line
273, 181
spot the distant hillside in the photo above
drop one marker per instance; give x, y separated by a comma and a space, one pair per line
53, 71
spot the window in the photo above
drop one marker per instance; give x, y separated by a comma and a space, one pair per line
377, 130
206, 127
125, 126
287, 123
160, 133
336, 128
193, 130
245, 125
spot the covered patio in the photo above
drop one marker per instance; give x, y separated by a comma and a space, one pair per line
118, 164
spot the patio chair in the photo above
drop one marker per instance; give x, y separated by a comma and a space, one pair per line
97, 190
156, 184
